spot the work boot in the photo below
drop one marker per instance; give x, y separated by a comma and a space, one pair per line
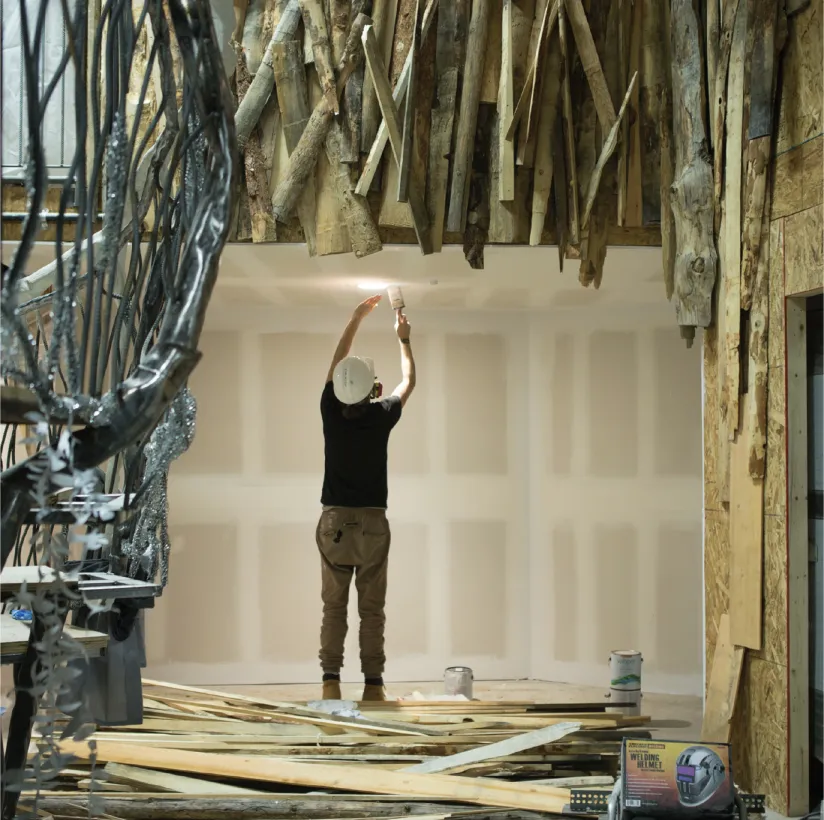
372, 692
331, 690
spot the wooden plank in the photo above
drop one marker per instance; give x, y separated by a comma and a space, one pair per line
14, 636
590, 61
651, 97
520, 743
732, 216
383, 19
634, 208
713, 42
506, 103
347, 778
608, 149
624, 26
451, 36
377, 72
722, 690
666, 176
798, 655
544, 165
573, 220
696, 262
718, 110
468, 116
746, 547
405, 159
381, 138
527, 134
165, 782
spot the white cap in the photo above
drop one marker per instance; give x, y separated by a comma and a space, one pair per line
353, 379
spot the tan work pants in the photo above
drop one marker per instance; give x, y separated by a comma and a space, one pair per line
353, 541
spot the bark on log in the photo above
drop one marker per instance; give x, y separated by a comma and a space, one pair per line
353, 108
452, 23
315, 22
376, 151
651, 97
544, 165
306, 152
363, 232
468, 116
390, 115
573, 231
251, 39
383, 15
251, 106
696, 261
718, 110
293, 101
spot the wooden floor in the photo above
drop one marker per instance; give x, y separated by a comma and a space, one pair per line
681, 714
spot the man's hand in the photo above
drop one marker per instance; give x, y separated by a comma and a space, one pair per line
402, 326
366, 306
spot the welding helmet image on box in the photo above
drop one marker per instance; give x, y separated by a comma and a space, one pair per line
699, 772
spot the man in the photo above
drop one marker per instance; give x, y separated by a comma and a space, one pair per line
353, 534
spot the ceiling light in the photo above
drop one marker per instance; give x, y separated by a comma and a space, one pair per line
372, 285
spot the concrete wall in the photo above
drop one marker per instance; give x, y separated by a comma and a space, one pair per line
545, 500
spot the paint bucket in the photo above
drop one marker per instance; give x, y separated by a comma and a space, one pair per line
457, 680
395, 297
625, 680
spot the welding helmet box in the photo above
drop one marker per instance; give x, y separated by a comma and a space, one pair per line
667, 776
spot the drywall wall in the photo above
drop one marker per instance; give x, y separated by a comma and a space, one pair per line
545, 499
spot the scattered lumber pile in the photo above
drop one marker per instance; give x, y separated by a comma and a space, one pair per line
200, 753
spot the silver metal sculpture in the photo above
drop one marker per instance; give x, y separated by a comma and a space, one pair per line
97, 345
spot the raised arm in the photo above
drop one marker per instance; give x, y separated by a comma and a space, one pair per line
348, 336
407, 385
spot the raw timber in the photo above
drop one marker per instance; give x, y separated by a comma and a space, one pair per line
200, 753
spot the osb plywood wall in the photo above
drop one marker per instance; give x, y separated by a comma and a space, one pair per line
510, 512
768, 750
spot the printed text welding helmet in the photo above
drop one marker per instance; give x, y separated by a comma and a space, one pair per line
354, 380
699, 774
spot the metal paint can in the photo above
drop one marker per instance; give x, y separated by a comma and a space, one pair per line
625, 680
457, 680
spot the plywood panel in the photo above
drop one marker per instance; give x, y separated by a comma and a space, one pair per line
759, 743
408, 606
775, 331
204, 564
798, 178
678, 623
217, 387
293, 371
804, 251
476, 399
478, 572
677, 398
565, 584
723, 686
613, 404
717, 568
409, 442
561, 392
289, 583
616, 588
775, 591
775, 479
800, 112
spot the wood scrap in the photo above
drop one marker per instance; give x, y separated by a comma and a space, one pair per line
713, 42
163, 781
408, 122
314, 21
666, 171
696, 261
624, 27
634, 205
479, 195
305, 155
373, 160
560, 187
544, 165
377, 72
722, 691
468, 116
573, 220
651, 98
383, 19
506, 151
353, 107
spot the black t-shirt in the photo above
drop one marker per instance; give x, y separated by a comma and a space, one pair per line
356, 450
